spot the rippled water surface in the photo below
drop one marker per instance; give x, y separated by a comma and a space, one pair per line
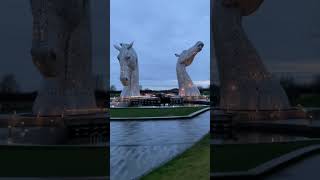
47, 136
139, 146
255, 137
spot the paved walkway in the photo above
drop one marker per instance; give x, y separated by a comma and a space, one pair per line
307, 169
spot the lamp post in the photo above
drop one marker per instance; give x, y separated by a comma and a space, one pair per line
258, 99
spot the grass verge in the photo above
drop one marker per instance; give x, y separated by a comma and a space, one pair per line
37, 161
192, 164
242, 157
153, 112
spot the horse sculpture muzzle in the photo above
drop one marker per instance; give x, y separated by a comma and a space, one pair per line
124, 81
124, 74
45, 61
199, 45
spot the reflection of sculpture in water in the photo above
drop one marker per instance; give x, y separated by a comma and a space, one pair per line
129, 70
245, 83
186, 86
61, 50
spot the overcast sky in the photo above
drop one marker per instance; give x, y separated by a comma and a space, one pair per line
287, 36
160, 29
16, 37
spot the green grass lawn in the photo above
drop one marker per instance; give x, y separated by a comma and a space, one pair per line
19, 161
192, 164
153, 112
242, 157
309, 100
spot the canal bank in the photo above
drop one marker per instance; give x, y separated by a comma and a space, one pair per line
192, 164
156, 113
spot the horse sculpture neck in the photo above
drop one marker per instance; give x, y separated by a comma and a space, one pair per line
186, 86
245, 83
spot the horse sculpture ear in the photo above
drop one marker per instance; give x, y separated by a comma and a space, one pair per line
117, 47
130, 45
177, 55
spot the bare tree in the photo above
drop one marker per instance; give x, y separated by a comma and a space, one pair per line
200, 88
287, 82
316, 82
9, 84
113, 88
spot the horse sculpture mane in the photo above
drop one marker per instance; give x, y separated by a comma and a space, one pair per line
186, 86
129, 70
245, 83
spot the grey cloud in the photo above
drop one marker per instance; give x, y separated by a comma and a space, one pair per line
160, 29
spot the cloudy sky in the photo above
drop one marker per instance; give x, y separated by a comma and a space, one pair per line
287, 36
160, 29
15, 41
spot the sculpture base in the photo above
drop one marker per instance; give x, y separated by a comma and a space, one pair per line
52, 130
55, 99
196, 100
187, 91
136, 101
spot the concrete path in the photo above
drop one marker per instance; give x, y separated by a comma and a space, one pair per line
307, 169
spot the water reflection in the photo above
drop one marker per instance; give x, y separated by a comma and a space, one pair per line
47, 136
137, 147
253, 137
34, 135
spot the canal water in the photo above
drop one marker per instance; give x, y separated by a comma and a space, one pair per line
32, 135
47, 136
255, 137
137, 147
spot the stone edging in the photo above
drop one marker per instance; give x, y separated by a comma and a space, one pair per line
165, 117
269, 165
